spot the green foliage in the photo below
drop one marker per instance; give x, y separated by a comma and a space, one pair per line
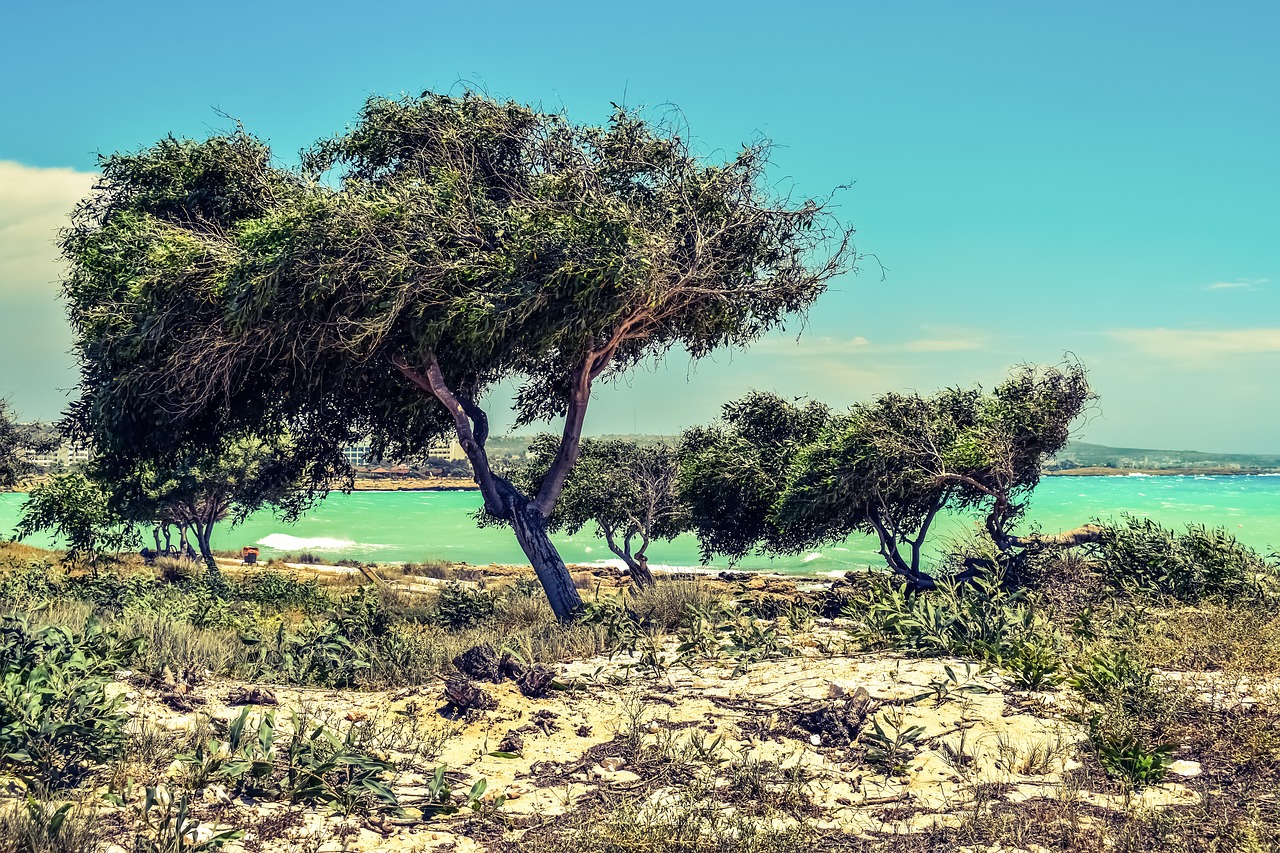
628, 491
169, 828
318, 653
731, 474
982, 619
77, 511
32, 825
1139, 555
785, 478
461, 606
317, 766
444, 800
17, 445
1126, 756
56, 721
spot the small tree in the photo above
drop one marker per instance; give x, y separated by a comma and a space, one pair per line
440, 246
196, 491
886, 468
77, 510
628, 491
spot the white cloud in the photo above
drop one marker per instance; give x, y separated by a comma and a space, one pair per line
34, 204
810, 347
35, 365
1239, 284
1194, 344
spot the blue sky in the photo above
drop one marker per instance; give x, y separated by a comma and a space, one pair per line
1098, 178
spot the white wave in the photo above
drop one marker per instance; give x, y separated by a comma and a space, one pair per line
809, 558
285, 542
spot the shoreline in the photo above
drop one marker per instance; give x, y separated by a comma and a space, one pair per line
1098, 471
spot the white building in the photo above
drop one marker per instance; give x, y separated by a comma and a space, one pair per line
359, 455
64, 455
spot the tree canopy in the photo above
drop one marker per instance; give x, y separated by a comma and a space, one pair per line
784, 478
442, 244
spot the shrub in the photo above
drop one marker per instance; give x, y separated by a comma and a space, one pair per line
461, 607
1139, 555
56, 722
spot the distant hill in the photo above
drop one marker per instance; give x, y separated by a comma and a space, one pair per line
1080, 454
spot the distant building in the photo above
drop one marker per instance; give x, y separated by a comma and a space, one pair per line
62, 456
361, 455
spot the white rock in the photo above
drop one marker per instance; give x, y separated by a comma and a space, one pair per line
816, 740
1186, 768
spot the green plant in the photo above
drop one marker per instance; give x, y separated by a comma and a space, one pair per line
890, 748
1139, 555
33, 825
56, 721
460, 606
244, 760
442, 796
167, 826
1126, 756
323, 768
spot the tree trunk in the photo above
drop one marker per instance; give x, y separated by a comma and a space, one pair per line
531, 532
639, 568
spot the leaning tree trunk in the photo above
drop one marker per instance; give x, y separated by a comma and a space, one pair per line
531, 532
639, 568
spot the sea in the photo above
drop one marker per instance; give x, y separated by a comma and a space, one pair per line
396, 527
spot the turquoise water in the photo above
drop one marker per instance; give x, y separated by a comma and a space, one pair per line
416, 526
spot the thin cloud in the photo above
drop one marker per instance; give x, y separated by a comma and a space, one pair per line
813, 347
34, 204
1198, 344
1239, 284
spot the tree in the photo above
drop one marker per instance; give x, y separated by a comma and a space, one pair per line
194, 493
440, 246
77, 510
886, 468
18, 443
629, 491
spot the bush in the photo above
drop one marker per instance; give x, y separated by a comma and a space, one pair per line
1141, 556
56, 722
462, 607
980, 619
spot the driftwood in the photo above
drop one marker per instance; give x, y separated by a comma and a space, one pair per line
460, 692
535, 682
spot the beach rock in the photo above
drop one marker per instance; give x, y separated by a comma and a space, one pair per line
613, 763
251, 696
513, 742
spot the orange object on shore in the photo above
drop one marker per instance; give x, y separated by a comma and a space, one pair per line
249, 555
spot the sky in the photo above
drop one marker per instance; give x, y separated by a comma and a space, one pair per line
1027, 180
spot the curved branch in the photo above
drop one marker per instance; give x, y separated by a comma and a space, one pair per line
434, 383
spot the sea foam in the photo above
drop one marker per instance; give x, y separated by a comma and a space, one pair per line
285, 542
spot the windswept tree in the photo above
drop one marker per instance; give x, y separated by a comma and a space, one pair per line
77, 511
886, 468
628, 491
440, 246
